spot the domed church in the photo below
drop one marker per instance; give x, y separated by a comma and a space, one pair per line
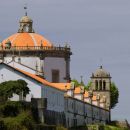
45, 67
27, 48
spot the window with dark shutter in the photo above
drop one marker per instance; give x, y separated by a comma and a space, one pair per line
55, 76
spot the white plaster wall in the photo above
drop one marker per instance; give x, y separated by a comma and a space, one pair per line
95, 103
48, 64
14, 98
70, 105
7, 59
88, 107
69, 119
28, 61
7, 74
102, 105
19, 66
88, 112
55, 98
87, 100
107, 116
54, 63
70, 92
96, 113
78, 96
103, 114
31, 62
82, 108
80, 120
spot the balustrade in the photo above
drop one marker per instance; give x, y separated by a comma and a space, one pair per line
33, 48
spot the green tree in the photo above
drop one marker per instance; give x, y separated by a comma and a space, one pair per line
88, 85
114, 95
77, 83
8, 88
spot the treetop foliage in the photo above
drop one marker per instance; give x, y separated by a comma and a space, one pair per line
114, 95
8, 88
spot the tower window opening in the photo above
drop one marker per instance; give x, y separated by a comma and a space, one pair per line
26, 28
100, 85
104, 85
96, 85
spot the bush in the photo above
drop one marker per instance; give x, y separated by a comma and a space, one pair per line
22, 122
60, 128
114, 128
79, 128
12, 109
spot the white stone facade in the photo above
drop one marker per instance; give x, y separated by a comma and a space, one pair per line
36, 65
79, 113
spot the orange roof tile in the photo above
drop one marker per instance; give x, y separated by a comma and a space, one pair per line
94, 98
62, 86
77, 90
86, 94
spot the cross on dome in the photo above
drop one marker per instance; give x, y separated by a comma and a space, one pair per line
25, 8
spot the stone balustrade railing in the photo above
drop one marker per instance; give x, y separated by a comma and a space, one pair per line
27, 48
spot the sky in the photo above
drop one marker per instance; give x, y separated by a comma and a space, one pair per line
98, 32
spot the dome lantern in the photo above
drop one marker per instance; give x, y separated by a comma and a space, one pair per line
26, 24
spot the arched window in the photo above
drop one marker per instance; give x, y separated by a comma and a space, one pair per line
100, 85
27, 29
104, 85
96, 85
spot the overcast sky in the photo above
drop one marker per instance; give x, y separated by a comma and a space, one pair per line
97, 30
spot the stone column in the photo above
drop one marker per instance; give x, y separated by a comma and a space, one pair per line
98, 100
42, 58
91, 96
67, 59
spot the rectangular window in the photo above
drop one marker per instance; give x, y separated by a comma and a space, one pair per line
55, 76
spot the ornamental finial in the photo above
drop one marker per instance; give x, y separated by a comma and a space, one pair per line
25, 8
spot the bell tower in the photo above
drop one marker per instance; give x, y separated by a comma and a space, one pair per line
101, 83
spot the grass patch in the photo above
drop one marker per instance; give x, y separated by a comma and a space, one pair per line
108, 127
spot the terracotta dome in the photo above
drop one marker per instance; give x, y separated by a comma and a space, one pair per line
101, 73
26, 39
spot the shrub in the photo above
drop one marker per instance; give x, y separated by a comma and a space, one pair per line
22, 122
12, 109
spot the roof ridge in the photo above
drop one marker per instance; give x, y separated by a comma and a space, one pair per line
14, 37
33, 38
